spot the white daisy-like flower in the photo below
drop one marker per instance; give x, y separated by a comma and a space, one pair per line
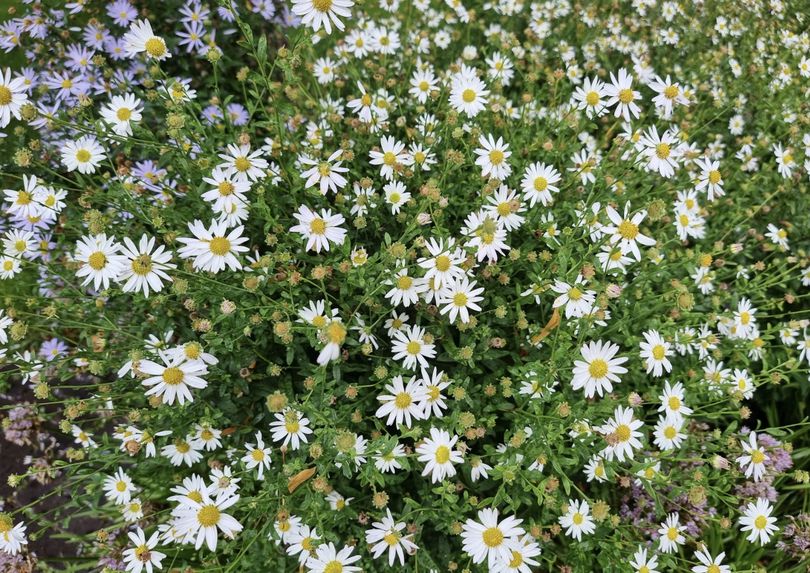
490, 539
577, 519
319, 230
12, 96
290, 427
143, 555
468, 94
386, 535
391, 156
672, 401
101, 261
668, 432
145, 266
328, 559
326, 174
410, 346
599, 369
575, 298
753, 459
319, 14
709, 564
22, 202
458, 297
84, 154
200, 521
643, 564
141, 38
444, 263
493, 157
671, 534
655, 351
213, 248
12, 537
119, 487
396, 195
539, 182
302, 542
625, 233
121, 112
403, 402
257, 456
621, 94
438, 455
173, 379
243, 164
757, 521
622, 435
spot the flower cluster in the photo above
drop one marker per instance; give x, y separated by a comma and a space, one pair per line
407, 285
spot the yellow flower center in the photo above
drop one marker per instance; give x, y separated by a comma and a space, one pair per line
442, 263
757, 456
714, 177
671, 92
468, 95
24, 198
670, 432
713, 569
413, 347
121, 485
173, 376
155, 47
574, 293
496, 156
241, 163
292, 426
626, 96
404, 282
322, 5
672, 533
67, 83
658, 352
577, 518
317, 226
366, 100
5, 95
745, 317
623, 432
423, 86
460, 299
628, 230
182, 447
644, 569
82, 156
142, 265
504, 209
142, 554
389, 158
598, 368
97, 260
493, 537
674, 403
434, 393
336, 332
208, 515
517, 560
391, 538
123, 114
195, 496
225, 188
540, 184
761, 522
592, 98
442, 455
220, 246
257, 455
306, 544
403, 400
332, 566
662, 150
